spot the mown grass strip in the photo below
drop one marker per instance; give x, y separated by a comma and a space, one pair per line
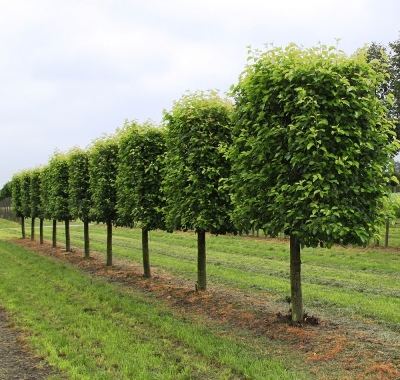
9, 229
361, 282
90, 329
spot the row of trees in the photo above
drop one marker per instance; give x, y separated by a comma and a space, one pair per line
306, 148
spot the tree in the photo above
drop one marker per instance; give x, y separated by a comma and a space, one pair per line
394, 71
389, 58
79, 191
198, 131
35, 201
17, 200
6, 191
5, 201
311, 148
103, 166
139, 196
45, 209
25, 181
379, 52
58, 172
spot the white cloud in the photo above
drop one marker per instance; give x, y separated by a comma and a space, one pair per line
71, 70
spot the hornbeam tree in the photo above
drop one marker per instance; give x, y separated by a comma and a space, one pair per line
198, 132
139, 196
312, 145
44, 210
103, 166
6, 191
17, 201
58, 172
79, 191
36, 204
25, 180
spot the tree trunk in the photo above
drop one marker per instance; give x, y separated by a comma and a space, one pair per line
23, 227
145, 251
295, 281
54, 233
201, 260
86, 238
109, 243
387, 233
33, 229
41, 230
67, 236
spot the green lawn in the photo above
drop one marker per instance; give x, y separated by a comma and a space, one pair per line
91, 329
360, 282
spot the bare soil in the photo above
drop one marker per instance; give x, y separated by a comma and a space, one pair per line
331, 349
16, 359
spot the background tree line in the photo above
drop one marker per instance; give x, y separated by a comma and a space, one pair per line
306, 148
389, 56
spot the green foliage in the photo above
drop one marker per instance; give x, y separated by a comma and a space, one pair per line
396, 170
387, 61
393, 204
198, 133
35, 186
25, 178
16, 195
45, 183
311, 146
79, 200
57, 187
139, 197
103, 166
6, 191
379, 53
394, 70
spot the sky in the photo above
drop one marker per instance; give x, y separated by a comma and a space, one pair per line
71, 71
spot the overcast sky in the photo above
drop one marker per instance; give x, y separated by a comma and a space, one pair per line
73, 70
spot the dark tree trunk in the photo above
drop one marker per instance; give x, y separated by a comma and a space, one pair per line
201, 260
23, 227
387, 233
145, 251
86, 238
54, 233
41, 230
109, 243
67, 236
32, 229
295, 281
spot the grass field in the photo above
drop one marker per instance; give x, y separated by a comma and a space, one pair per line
90, 328
362, 282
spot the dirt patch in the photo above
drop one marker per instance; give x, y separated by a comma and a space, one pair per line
16, 360
327, 348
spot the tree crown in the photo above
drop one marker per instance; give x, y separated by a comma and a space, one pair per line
312, 146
